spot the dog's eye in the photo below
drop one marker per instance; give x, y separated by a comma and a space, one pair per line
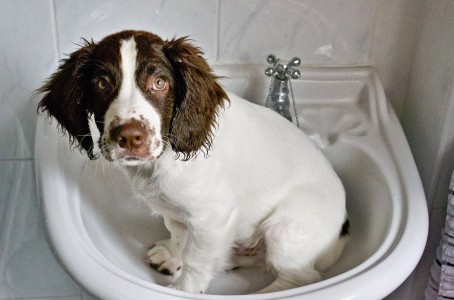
159, 84
102, 84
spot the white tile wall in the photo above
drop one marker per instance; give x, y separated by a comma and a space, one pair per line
88, 19
428, 110
36, 33
319, 32
395, 37
26, 57
428, 116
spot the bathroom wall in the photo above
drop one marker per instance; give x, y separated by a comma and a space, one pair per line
427, 119
36, 33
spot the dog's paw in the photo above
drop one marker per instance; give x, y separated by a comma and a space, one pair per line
160, 259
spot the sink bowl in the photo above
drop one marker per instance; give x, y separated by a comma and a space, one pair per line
100, 233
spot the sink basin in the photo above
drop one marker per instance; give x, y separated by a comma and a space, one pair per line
100, 232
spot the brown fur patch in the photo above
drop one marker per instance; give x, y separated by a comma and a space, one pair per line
198, 98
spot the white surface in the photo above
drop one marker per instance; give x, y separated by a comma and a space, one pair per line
26, 57
77, 19
320, 34
100, 233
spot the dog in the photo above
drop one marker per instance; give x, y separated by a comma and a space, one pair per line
235, 183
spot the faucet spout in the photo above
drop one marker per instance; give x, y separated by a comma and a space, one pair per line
278, 97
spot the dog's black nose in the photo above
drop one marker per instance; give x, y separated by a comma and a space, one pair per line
131, 136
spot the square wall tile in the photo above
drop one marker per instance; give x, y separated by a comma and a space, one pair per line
27, 57
96, 19
320, 32
27, 267
394, 46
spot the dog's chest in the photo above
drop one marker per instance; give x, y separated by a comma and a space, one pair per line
157, 189
145, 185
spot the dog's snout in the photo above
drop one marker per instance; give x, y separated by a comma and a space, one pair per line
131, 136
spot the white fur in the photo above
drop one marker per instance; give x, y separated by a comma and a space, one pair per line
263, 181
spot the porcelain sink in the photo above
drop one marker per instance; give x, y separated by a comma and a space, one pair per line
100, 232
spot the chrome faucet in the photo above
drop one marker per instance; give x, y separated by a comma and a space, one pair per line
278, 97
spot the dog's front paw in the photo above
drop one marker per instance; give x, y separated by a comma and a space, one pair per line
160, 259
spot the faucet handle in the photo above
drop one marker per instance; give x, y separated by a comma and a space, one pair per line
295, 74
270, 72
294, 62
282, 70
271, 59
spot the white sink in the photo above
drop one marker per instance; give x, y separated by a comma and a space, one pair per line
100, 233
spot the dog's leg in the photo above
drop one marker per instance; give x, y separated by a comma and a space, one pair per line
206, 253
165, 255
296, 240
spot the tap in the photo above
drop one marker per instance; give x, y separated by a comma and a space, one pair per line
278, 97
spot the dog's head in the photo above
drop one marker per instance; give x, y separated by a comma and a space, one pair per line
145, 94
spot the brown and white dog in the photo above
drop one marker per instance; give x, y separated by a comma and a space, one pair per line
229, 177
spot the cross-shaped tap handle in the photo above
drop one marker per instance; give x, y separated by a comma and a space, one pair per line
283, 69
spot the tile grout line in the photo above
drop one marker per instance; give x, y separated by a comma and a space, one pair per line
374, 31
218, 28
53, 15
45, 298
16, 159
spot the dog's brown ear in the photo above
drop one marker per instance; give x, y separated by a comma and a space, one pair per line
66, 98
198, 97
